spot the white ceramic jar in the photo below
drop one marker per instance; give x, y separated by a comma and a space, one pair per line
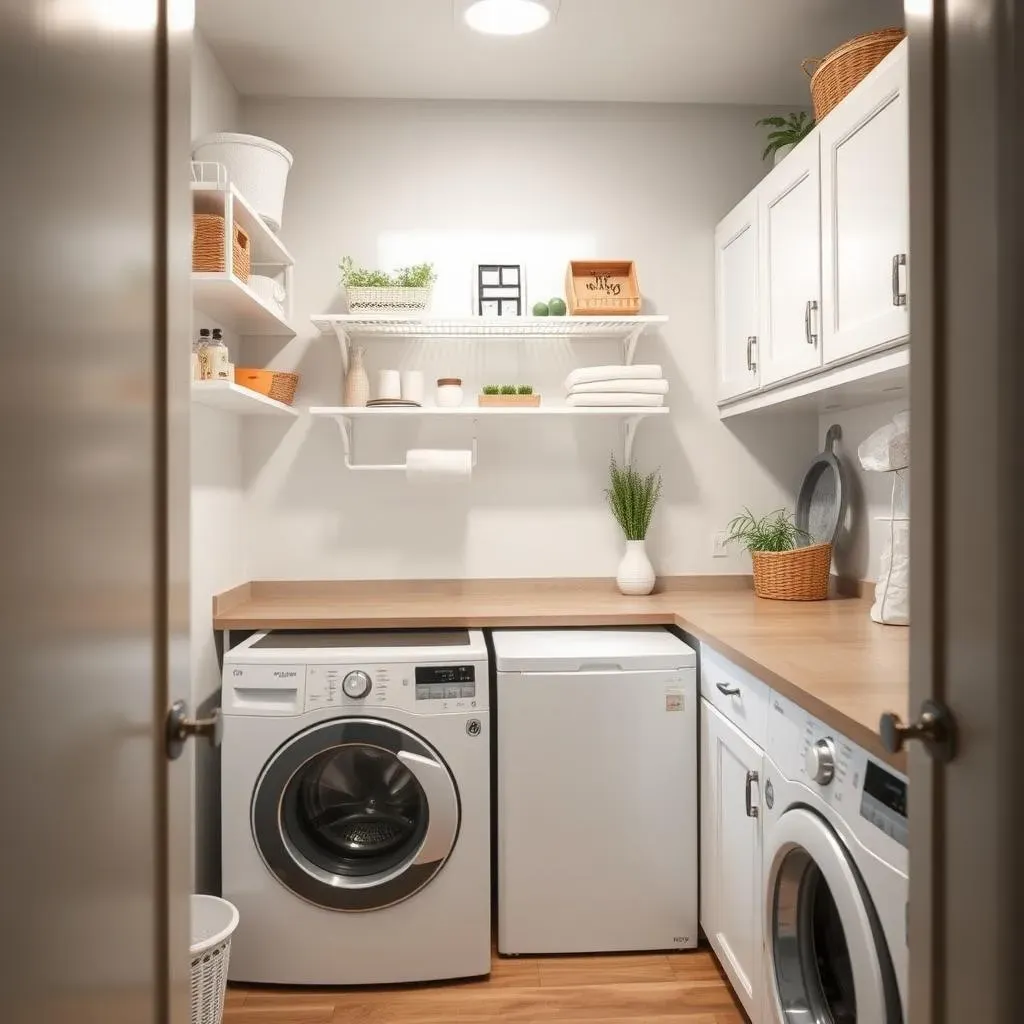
449, 392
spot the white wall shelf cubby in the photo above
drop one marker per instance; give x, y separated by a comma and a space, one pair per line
230, 397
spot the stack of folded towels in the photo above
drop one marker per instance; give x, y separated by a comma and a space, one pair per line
616, 386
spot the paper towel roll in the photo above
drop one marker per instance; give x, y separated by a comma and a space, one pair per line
426, 464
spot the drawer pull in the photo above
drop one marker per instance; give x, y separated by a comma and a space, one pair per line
728, 691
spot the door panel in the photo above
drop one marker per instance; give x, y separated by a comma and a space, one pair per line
731, 855
736, 284
865, 181
789, 214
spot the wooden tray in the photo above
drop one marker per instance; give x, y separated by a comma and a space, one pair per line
602, 288
525, 401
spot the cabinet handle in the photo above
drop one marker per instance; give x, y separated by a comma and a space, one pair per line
812, 339
727, 690
751, 361
898, 298
751, 809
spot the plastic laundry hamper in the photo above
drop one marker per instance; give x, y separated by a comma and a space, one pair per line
258, 167
213, 923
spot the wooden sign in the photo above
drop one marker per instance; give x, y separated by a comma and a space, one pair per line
602, 288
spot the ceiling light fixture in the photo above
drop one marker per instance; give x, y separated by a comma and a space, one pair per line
508, 17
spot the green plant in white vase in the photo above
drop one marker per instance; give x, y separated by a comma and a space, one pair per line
632, 498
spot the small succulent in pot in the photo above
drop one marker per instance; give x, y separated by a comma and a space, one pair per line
524, 389
507, 389
788, 131
491, 389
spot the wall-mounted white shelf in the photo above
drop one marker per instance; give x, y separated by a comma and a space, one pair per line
236, 307
230, 397
347, 416
624, 329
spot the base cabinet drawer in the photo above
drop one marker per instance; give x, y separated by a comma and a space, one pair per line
742, 698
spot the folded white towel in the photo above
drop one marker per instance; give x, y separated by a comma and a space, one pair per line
615, 398
638, 387
587, 374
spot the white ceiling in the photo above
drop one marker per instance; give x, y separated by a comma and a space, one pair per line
690, 51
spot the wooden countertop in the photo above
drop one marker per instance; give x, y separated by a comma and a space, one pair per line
827, 656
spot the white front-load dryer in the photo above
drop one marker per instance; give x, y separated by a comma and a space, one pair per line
835, 877
355, 803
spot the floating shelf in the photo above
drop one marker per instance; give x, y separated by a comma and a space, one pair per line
233, 305
229, 397
346, 416
624, 329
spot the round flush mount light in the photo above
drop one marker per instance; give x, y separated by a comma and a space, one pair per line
508, 17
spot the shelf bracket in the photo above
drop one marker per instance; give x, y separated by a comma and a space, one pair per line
629, 434
629, 345
345, 425
343, 341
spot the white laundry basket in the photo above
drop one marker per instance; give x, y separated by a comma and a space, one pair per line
213, 922
258, 167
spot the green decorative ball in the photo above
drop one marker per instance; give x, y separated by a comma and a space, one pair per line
556, 307
540, 309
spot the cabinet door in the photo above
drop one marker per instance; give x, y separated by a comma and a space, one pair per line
865, 180
736, 287
731, 897
789, 225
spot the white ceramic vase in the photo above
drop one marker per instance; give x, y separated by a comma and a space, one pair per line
780, 154
636, 574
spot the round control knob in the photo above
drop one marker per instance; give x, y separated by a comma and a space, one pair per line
820, 761
356, 685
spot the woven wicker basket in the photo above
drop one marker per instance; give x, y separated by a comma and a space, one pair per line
834, 76
798, 575
276, 384
208, 246
388, 300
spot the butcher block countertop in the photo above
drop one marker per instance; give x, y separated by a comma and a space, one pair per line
827, 656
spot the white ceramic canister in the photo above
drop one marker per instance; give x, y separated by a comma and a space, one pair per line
449, 392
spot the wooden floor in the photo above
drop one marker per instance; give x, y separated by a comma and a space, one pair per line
674, 988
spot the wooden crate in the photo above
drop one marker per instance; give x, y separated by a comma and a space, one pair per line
524, 401
602, 288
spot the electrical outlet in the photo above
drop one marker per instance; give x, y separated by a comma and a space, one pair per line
718, 548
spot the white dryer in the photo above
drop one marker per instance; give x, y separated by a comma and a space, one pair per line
355, 804
835, 871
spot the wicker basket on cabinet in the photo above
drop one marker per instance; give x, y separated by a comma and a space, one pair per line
838, 73
798, 575
277, 384
208, 246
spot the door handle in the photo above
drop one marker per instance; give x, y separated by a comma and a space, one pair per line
899, 298
812, 339
751, 809
935, 728
751, 361
179, 728
727, 690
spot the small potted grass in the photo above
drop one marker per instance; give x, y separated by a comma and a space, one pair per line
520, 395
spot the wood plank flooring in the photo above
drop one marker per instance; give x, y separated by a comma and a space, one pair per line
673, 988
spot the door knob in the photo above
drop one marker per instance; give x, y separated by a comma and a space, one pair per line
180, 727
935, 728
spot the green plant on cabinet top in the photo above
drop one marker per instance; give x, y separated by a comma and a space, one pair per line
788, 131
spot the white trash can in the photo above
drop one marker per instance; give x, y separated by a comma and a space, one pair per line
213, 922
257, 167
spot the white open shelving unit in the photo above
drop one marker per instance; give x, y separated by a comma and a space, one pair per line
624, 329
230, 397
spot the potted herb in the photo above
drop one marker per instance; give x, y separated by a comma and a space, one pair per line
508, 394
786, 567
632, 498
788, 131
407, 290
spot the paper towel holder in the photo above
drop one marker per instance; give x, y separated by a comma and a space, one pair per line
345, 426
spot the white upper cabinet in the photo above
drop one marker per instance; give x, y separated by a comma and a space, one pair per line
736, 301
865, 200
789, 226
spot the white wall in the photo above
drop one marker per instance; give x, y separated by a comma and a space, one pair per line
860, 546
218, 558
394, 183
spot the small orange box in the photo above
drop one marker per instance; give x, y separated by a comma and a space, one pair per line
602, 288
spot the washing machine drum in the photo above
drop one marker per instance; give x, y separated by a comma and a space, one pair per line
355, 814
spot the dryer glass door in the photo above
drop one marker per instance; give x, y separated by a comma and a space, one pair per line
355, 814
829, 959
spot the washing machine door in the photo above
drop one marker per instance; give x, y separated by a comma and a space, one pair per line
355, 814
827, 955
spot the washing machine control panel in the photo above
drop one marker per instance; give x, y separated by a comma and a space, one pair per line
356, 685
820, 761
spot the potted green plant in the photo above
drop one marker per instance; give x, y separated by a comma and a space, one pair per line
632, 497
786, 567
788, 131
407, 290
508, 394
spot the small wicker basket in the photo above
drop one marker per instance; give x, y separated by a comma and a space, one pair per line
208, 246
838, 73
388, 300
798, 575
277, 384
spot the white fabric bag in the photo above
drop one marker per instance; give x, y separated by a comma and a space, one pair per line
892, 591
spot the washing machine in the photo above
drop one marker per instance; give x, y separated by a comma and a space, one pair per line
835, 872
355, 800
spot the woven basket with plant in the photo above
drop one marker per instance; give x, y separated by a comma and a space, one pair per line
408, 290
783, 570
